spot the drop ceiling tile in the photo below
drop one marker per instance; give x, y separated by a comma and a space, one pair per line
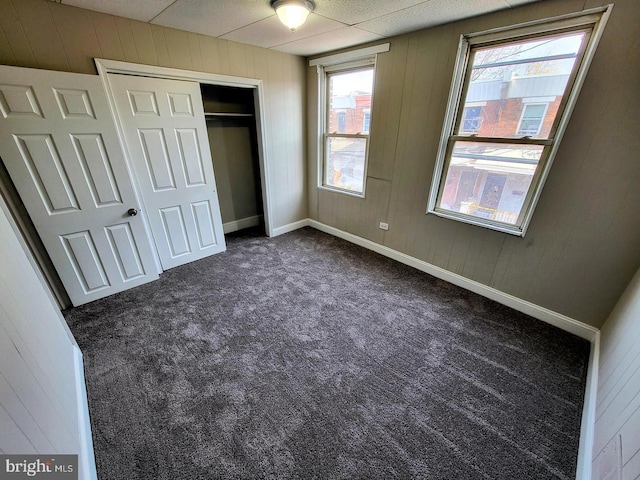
143, 10
357, 11
270, 32
326, 42
428, 14
213, 17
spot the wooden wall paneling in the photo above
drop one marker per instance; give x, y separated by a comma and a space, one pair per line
143, 43
160, 45
234, 167
313, 142
237, 59
277, 126
108, 38
20, 416
295, 120
249, 54
128, 40
210, 54
38, 25
400, 220
223, 52
14, 32
415, 158
12, 439
78, 36
6, 54
178, 48
374, 210
46, 344
482, 260
385, 119
196, 55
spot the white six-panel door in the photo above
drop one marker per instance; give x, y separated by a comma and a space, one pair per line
164, 127
59, 143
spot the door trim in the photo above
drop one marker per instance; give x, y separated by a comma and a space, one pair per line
114, 66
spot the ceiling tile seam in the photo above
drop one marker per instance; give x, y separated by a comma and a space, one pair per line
323, 33
334, 19
244, 26
358, 25
310, 36
375, 18
162, 11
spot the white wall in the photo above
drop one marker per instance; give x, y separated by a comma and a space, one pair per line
617, 431
42, 396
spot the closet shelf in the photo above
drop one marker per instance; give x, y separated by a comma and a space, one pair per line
224, 114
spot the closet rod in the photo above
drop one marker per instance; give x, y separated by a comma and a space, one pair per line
221, 114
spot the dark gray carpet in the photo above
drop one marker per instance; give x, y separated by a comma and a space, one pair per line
306, 357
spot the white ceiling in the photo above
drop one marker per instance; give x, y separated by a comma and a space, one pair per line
333, 24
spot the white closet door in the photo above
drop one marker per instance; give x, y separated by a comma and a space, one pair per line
59, 144
164, 127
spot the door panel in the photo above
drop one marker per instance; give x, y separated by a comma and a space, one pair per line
59, 144
164, 126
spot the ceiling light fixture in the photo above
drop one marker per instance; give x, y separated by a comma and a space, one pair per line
292, 13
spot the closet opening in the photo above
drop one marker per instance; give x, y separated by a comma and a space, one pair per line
233, 139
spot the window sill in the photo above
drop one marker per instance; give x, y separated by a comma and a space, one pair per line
518, 231
340, 190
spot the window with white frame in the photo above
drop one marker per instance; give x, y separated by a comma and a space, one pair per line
493, 160
345, 104
349, 92
533, 115
366, 124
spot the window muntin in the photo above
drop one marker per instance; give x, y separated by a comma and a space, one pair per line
348, 114
493, 177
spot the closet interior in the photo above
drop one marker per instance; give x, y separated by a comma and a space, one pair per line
231, 127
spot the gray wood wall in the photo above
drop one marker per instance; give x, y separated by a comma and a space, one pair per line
47, 35
617, 429
582, 247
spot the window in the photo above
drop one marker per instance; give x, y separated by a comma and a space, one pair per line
345, 100
348, 96
342, 121
531, 120
471, 119
367, 120
510, 101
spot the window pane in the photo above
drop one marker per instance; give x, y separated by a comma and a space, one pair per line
345, 163
349, 99
471, 119
508, 77
532, 118
489, 180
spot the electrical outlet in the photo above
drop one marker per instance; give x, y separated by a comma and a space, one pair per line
384, 226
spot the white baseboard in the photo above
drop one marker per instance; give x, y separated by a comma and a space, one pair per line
588, 424
247, 222
86, 459
582, 330
290, 227
557, 319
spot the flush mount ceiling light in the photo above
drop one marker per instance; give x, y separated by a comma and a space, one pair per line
292, 13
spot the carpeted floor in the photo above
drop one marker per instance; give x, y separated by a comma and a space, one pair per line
306, 357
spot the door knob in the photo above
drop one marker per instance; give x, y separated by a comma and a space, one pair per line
132, 212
